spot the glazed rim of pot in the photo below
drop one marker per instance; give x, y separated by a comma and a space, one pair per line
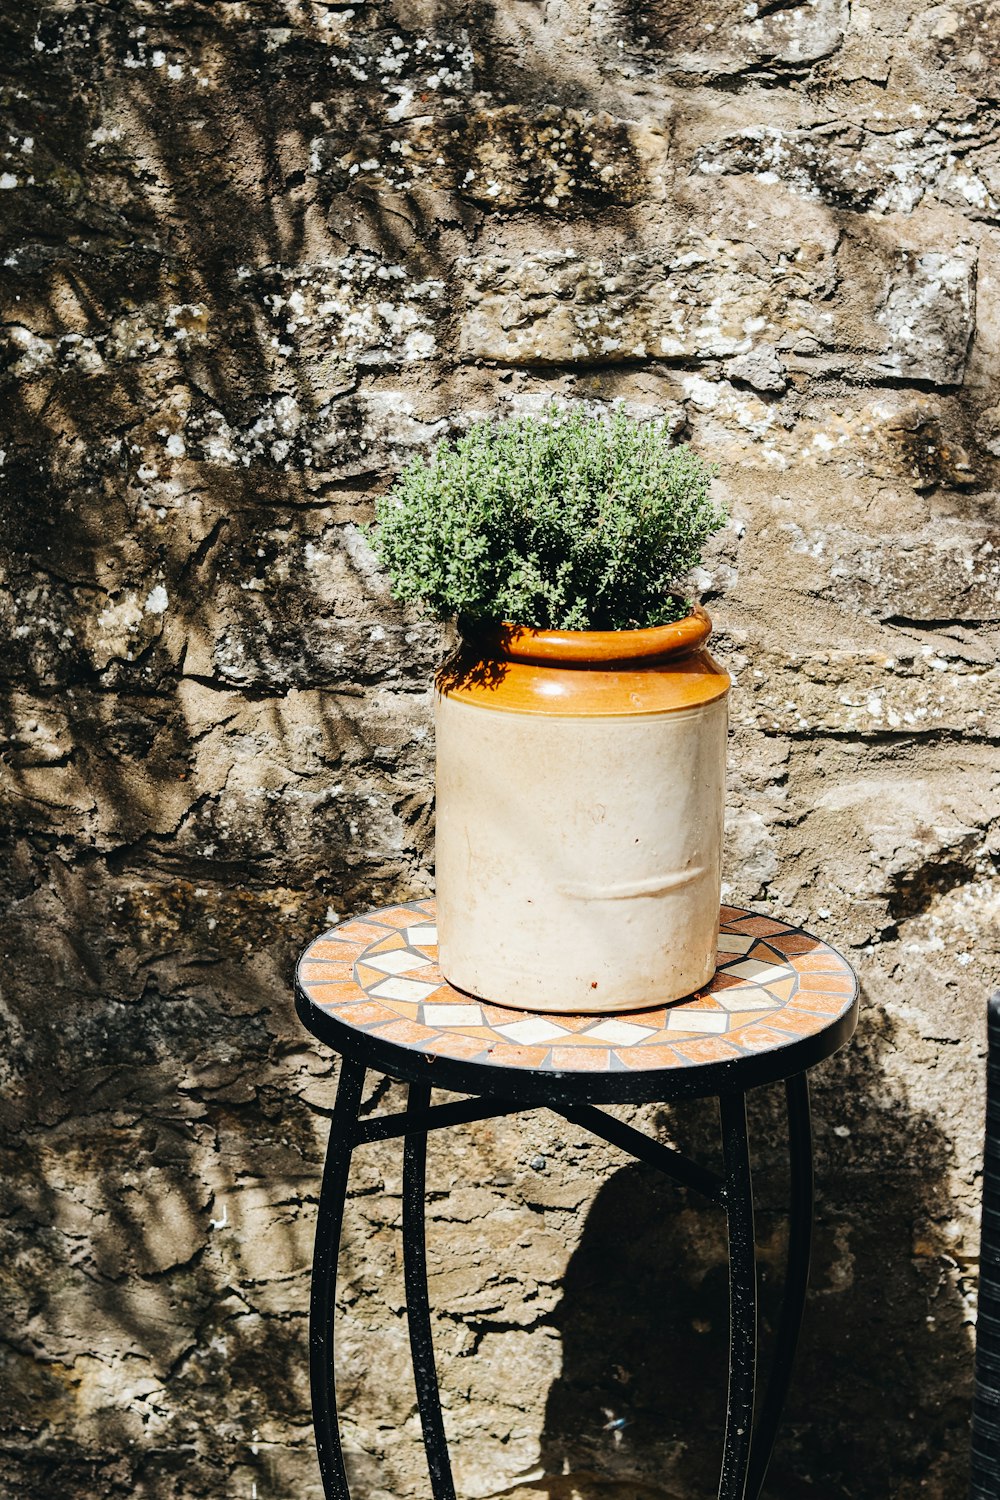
522, 643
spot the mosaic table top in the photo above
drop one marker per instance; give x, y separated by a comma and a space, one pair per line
774, 986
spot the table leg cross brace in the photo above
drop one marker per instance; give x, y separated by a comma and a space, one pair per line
412, 1121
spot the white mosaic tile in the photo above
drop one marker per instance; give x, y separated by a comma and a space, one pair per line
402, 989
533, 1031
398, 961
453, 1015
620, 1033
697, 1020
753, 968
425, 935
746, 997
734, 942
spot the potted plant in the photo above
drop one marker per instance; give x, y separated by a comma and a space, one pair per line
581, 724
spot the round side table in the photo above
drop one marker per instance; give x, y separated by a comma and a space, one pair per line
780, 1001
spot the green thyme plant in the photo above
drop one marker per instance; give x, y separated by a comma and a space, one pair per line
564, 521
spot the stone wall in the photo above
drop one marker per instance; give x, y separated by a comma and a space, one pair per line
256, 254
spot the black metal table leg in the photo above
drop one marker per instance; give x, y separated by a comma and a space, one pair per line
343, 1129
417, 1305
742, 1298
800, 1214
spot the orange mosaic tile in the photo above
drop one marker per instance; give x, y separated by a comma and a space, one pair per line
337, 973
409, 1033
795, 942
828, 984
654, 1018
798, 1023
818, 1004
335, 994
767, 953
740, 1018
508, 1055
498, 1015
444, 994
576, 1059
379, 975
819, 961
368, 1014
706, 1049
358, 932
401, 916
761, 1038
408, 1009
336, 948
342, 974
368, 976
723, 980
759, 926
462, 1047
316, 973
577, 1023
693, 1003
648, 1057
397, 940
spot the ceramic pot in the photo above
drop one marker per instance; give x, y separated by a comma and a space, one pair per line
580, 795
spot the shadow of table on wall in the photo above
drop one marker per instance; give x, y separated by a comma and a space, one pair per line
881, 1394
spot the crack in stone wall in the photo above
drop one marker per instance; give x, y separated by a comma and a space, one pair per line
255, 256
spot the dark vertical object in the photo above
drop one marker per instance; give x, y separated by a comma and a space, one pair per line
796, 1278
417, 1305
742, 1297
323, 1297
986, 1405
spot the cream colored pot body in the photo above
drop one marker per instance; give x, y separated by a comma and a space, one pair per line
578, 857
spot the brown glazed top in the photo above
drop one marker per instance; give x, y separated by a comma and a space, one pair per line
589, 673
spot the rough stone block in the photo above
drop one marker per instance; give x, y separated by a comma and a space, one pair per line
914, 312
927, 313
864, 170
706, 298
361, 309
721, 39
506, 158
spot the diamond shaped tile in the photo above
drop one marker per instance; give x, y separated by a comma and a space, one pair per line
752, 968
620, 1033
402, 961
396, 940
401, 989
697, 1020
453, 1015
746, 997
533, 1031
734, 942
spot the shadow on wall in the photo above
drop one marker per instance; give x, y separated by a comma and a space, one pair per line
881, 1398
